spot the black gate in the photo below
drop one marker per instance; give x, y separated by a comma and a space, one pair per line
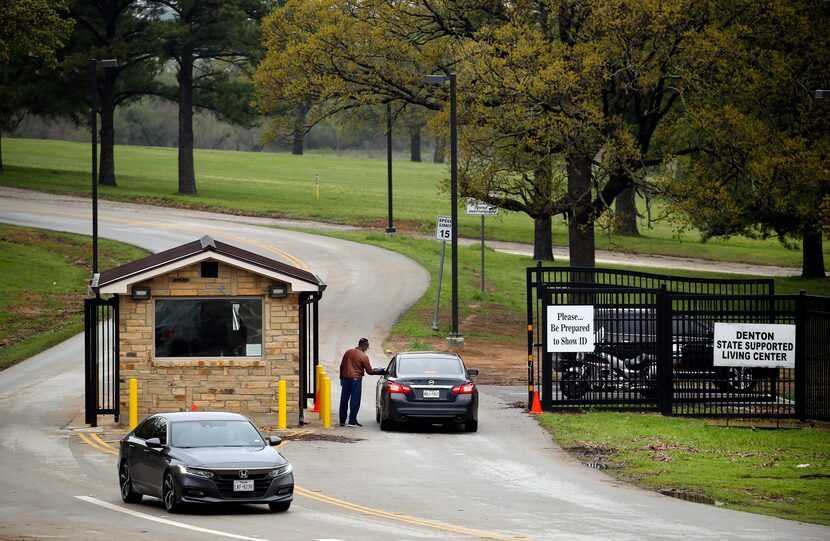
101, 354
309, 349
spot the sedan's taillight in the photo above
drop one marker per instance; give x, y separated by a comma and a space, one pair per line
467, 388
399, 388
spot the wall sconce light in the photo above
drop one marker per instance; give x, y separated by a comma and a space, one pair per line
141, 293
277, 291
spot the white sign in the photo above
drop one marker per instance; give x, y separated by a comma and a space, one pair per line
480, 208
570, 328
443, 228
754, 344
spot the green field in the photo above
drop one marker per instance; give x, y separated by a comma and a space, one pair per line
43, 284
775, 469
352, 191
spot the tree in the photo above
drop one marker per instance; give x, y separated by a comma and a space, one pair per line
31, 33
764, 141
119, 29
214, 46
565, 104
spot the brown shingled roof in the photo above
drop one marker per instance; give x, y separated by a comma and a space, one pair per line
205, 244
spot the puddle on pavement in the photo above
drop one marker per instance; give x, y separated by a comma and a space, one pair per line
690, 497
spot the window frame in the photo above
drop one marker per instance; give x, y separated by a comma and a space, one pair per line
261, 300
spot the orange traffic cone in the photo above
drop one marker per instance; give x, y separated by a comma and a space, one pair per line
316, 408
536, 406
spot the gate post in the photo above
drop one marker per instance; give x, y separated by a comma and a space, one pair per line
530, 305
547, 361
90, 364
800, 356
665, 376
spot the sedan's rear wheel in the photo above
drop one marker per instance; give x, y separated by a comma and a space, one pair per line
279, 506
169, 494
126, 482
386, 424
471, 425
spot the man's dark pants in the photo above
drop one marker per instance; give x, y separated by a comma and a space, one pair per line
350, 398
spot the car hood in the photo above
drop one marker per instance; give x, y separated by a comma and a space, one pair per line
230, 457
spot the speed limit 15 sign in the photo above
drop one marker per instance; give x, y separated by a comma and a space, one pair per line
443, 228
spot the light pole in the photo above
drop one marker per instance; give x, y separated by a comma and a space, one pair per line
455, 341
94, 65
390, 229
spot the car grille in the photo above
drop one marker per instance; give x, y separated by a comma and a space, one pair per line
225, 485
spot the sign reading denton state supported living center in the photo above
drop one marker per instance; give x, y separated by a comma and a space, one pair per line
754, 345
570, 328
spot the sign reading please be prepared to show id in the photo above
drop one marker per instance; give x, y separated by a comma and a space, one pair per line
570, 328
754, 344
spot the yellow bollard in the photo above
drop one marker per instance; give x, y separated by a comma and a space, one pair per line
319, 372
325, 403
282, 401
133, 403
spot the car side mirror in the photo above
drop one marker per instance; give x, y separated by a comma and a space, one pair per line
154, 443
472, 372
274, 440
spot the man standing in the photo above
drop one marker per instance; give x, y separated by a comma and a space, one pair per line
355, 362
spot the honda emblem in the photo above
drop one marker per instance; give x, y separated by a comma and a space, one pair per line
243, 474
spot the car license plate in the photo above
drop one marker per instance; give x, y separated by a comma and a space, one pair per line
243, 486
432, 393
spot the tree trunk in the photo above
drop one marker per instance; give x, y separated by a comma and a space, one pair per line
542, 239
187, 174
106, 170
299, 124
415, 143
581, 226
440, 148
812, 265
625, 222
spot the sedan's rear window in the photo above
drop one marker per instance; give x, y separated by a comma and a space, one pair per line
430, 366
215, 434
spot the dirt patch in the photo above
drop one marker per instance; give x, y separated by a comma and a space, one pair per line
499, 358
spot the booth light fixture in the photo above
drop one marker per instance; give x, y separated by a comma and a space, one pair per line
141, 293
277, 291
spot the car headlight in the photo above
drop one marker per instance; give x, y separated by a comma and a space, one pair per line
205, 474
282, 470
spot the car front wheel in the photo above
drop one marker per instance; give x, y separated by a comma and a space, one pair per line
126, 482
169, 494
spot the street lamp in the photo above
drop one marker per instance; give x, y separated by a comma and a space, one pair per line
94, 65
455, 341
390, 229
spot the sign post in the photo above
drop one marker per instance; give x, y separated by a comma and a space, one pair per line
476, 207
443, 232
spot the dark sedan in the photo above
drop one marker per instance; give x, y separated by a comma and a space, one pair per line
427, 386
203, 457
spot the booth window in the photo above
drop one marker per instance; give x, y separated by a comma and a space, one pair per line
208, 328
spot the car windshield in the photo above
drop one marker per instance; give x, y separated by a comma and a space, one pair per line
215, 433
430, 366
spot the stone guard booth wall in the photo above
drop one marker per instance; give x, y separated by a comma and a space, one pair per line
183, 355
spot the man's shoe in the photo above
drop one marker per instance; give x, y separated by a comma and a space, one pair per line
355, 424
342, 424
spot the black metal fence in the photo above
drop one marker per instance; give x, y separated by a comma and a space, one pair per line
101, 354
653, 345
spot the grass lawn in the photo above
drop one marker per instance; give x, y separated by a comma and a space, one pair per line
43, 284
352, 191
759, 466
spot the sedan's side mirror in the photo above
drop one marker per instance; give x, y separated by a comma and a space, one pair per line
154, 443
472, 372
274, 440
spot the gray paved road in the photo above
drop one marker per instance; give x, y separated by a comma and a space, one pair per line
507, 481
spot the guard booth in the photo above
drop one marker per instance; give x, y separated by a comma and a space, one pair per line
207, 326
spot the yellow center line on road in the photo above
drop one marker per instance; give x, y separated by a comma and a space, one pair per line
102, 445
293, 260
